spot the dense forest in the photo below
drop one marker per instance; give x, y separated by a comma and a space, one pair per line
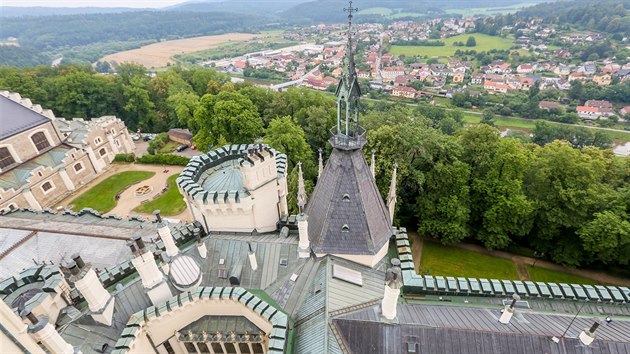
612, 16
569, 202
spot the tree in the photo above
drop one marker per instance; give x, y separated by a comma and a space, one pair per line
227, 117
567, 187
488, 117
607, 237
287, 137
471, 42
444, 205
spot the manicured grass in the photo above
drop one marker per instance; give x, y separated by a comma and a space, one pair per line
101, 197
443, 260
499, 121
489, 11
547, 275
169, 204
484, 43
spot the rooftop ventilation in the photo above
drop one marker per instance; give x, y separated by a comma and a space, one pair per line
346, 197
345, 228
284, 262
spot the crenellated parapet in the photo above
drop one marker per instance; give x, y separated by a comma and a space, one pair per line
257, 163
236, 188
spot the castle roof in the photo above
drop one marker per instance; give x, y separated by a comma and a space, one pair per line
17, 117
346, 212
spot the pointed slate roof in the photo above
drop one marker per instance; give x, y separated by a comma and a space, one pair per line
346, 212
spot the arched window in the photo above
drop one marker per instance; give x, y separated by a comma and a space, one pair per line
6, 159
40, 141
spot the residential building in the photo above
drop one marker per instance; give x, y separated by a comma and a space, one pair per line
404, 91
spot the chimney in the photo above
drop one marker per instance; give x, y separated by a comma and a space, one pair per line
100, 301
393, 283
201, 246
152, 279
509, 310
169, 242
391, 196
45, 332
158, 217
588, 334
252, 257
14, 326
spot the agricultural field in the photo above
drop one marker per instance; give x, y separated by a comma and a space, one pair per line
490, 11
160, 54
484, 43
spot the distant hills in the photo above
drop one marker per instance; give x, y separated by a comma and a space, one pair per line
289, 10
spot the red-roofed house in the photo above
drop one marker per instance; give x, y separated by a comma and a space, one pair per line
494, 87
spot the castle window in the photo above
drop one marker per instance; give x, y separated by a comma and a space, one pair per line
217, 348
102, 152
78, 167
113, 131
230, 348
345, 228
46, 187
40, 141
203, 347
97, 141
190, 347
117, 143
12, 207
6, 159
244, 348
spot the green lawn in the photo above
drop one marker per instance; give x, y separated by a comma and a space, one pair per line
547, 275
169, 204
101, 196
489, 11
443, 260
484, 43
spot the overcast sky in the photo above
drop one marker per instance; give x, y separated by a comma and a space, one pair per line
91, 3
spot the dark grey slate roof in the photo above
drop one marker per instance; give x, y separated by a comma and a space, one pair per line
15, 118
362, 210
446, 329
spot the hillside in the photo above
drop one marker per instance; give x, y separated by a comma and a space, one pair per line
330, 10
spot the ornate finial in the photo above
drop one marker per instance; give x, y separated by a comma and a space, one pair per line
391, 196
373, 164
301, 196
321, 163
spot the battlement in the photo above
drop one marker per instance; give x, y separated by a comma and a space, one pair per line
257, 164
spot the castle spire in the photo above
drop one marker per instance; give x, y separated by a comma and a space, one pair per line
391, 196
301, 196
321, 164
348, 93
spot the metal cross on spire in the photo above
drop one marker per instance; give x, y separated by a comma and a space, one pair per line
350, 10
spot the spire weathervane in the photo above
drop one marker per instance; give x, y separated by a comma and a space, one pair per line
349, 134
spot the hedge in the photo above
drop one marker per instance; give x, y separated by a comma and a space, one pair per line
160, 159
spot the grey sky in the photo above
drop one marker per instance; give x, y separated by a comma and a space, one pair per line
91, 3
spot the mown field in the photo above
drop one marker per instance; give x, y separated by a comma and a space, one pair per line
159, 55
490, 11
484, 43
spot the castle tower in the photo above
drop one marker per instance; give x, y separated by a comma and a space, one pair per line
347, 216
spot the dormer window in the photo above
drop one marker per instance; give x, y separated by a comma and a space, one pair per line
345, 228
346, 197
6, 159
40, 141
